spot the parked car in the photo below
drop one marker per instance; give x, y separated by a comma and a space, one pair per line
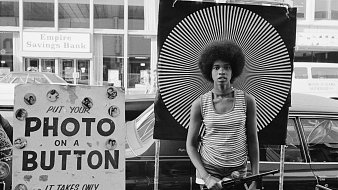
8, 83
311, 154
32, 77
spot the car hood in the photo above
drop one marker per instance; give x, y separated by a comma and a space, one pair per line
7, 94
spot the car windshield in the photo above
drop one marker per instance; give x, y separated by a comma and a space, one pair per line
322, 138
39, 78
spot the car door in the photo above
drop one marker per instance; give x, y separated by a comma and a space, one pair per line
321, 137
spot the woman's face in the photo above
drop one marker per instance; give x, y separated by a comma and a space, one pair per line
221, 72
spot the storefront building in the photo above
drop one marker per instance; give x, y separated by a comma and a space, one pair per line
317, 31
92, 42
114, 42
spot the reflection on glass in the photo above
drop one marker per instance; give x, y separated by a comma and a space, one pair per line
324, 73
334, 10
67, 70
6, 53
108, 15
322, 138
83, 70
74, 14
292, 150
38, 14
301, 8
300, 73
139, 65
136, 15
48, 65
9, 13
113, 60
32, 64
326, 9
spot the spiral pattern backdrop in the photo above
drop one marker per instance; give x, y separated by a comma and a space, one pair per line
267, 73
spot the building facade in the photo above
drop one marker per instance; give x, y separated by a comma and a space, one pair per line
92, 42
101, 42
317, 31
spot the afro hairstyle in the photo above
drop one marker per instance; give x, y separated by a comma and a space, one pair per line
226, 51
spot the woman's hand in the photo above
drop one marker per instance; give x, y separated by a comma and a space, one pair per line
212, 183
253, 186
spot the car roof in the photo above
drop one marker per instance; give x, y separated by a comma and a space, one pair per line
50, 77
305, 103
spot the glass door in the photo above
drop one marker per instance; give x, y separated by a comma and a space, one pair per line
83, 71
75, 71
67, 70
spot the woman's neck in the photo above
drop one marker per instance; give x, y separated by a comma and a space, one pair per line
225, 91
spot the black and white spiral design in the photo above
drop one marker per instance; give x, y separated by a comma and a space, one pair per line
267, 72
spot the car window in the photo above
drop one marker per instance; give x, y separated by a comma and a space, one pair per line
324, 73
37, 80
322, 138
293, 147
19, 80
300, 73
55, 79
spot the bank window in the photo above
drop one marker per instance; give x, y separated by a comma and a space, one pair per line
9, 13
300, 73
324, 73
301, 8
38, 13
113, 72
326, 9
139, 65
108, 14
136, 15
74, 13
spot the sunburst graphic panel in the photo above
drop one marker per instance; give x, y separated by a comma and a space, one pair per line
267, 72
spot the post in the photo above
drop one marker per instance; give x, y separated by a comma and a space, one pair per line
281, 166
157, 163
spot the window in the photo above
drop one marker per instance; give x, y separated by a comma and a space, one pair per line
38, 13
139, 65
9, 13
108, 15
316, 56
322, 137
326, 9
324, 73
6, 53
74, 13
113, 60
301, 8
334, 9
300, 73
292, 151
136, 15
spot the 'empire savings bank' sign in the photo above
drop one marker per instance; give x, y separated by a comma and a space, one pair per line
55, 42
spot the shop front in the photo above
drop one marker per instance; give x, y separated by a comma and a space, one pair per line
72, 70
65, 54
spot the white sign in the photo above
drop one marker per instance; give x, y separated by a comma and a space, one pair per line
56, 42
68, 137
317, 39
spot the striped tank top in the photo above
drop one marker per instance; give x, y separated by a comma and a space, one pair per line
224, 141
